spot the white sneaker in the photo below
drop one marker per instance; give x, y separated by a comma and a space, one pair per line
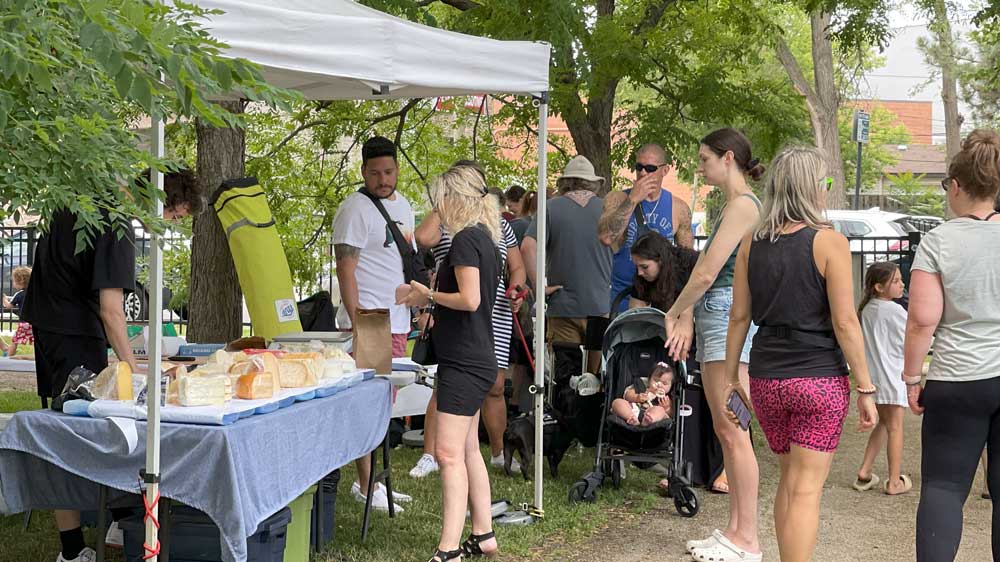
380, 500
86, 555
115, 537
425, 466
498, 461
703, 543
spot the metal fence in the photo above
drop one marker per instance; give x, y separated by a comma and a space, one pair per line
17, 248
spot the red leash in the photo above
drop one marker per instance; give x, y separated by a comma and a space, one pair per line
151, 515
519, 293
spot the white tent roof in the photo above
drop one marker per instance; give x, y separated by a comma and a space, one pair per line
337, 49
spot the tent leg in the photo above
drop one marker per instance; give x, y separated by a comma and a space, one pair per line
539, 408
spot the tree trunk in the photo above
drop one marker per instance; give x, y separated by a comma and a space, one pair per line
590, 128
826, 129
822, 100
949, 88
216, 309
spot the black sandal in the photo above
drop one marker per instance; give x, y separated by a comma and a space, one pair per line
446, 555
471, 545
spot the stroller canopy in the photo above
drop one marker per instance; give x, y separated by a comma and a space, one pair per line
635, 325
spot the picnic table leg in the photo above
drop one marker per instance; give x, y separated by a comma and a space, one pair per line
318, 529
368, 497
388, 475
102, 521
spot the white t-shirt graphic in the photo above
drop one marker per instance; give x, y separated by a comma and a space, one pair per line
358, 223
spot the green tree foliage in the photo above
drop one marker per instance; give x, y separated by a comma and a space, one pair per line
75, 78
915, 197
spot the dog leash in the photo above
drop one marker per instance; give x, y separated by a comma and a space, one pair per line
514, 293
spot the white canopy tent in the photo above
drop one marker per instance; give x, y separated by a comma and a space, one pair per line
340, 50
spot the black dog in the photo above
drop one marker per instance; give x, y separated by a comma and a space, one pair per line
520, 437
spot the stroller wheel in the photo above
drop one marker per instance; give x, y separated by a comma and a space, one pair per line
686, 501
581, 491
616, 474
578, 492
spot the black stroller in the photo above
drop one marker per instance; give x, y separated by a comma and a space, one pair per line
633, 345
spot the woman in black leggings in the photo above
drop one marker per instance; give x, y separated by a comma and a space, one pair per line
953, 295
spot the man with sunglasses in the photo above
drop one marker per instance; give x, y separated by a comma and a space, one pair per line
647, 206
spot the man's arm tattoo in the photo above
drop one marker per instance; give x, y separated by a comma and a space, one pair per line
341, 251
616, 221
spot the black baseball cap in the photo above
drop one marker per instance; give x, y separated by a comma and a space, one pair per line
377, 147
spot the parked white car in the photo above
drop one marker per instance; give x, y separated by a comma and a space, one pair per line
871, 223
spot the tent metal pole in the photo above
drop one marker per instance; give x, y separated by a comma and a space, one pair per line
540, 282
153, 346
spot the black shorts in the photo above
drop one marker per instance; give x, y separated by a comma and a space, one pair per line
461, 392
58, 354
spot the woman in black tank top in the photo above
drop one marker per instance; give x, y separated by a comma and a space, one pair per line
793, 279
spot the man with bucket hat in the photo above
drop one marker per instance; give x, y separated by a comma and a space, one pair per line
578, 265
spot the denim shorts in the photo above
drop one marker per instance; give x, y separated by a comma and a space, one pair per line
711, 324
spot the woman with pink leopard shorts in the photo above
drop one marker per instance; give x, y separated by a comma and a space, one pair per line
793, 279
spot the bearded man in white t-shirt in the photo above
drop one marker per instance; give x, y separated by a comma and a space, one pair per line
370, 267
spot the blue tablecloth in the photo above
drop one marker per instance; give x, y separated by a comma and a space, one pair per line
238, 474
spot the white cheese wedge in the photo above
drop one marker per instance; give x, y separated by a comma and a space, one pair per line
209, 390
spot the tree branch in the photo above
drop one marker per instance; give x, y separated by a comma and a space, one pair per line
654, 13
791, 65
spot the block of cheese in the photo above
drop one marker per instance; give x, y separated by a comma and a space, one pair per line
255, 386
115, 383
336, 353
264, 363
297, 373
336, 368
221, 358
313, 357
202, 391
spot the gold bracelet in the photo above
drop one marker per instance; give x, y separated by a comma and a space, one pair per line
870, 390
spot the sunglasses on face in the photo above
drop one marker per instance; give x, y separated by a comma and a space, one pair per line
946, 184
648, 168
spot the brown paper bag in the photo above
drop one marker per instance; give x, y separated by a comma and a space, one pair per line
373, 340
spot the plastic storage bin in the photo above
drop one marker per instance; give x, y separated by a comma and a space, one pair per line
195, 538
297, 545
328, 524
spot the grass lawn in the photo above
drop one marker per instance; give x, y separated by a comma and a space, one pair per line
411, 535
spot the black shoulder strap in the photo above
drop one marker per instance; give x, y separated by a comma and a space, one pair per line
640, 219
405, 251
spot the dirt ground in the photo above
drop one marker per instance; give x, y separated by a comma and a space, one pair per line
24, 382
854, 526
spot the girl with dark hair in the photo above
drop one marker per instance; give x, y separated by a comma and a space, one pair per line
662, 270
883, 325
953, 297
725, 161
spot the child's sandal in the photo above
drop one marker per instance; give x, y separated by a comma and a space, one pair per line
471, 546
446, 555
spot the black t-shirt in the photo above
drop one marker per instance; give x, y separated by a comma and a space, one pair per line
17, 302
64, 293
465, 339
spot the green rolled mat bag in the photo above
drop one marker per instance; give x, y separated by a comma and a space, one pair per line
259, 257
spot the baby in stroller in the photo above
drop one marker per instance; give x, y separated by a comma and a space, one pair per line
647, 402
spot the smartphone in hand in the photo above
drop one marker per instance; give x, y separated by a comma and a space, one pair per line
738, 407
